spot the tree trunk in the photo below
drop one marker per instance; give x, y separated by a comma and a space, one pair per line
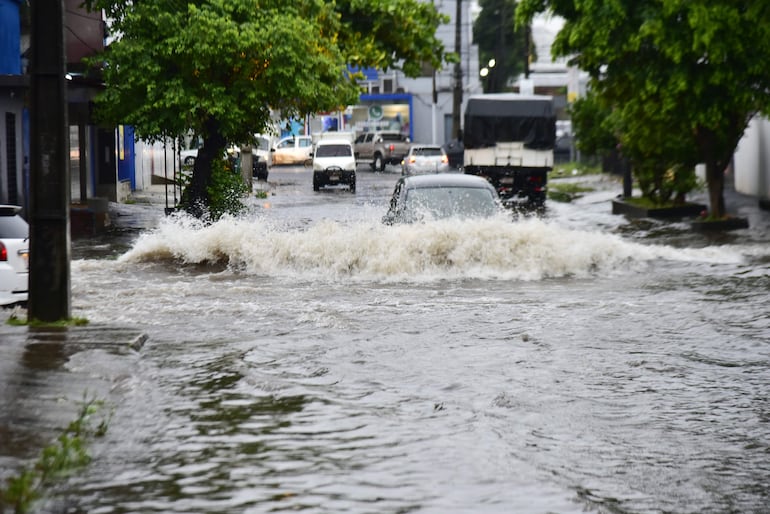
213, 148
715, 177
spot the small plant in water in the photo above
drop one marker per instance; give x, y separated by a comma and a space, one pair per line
19, 318
64, 455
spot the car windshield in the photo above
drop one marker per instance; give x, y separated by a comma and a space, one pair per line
427, 152
447, 202
262, 143
13, 227
334, 151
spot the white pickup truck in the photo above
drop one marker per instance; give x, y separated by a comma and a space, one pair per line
334, 162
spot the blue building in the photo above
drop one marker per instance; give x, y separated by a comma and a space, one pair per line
93, 167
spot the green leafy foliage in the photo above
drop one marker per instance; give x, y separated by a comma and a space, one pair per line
219, 68
681, 78
592, 120
225, 192
498, 38
67, 453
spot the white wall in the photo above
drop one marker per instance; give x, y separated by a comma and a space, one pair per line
150, 161
422, 88
752, 160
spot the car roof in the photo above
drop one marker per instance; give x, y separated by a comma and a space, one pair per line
446, 180
437, 147
9, 210
322, 142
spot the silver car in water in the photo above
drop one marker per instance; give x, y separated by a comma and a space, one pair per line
441, 196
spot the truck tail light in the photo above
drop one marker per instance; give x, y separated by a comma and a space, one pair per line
392, 147
3, 253
537, 182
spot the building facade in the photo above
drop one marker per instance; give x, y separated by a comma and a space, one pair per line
93, 168
421, 107
751, 165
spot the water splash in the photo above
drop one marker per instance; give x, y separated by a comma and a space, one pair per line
530, 249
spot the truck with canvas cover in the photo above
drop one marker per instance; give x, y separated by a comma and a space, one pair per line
509, 139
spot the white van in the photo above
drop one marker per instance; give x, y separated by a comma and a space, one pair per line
334, 163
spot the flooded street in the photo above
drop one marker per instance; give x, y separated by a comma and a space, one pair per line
308, 358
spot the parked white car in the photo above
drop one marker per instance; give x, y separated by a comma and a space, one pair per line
334, 163
425, 159
292, 150
14, 256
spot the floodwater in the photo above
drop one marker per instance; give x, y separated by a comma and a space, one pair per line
306, 357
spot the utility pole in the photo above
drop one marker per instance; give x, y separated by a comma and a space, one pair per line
49, 277
457, 98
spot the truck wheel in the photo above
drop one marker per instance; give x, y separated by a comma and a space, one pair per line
379, 163
352, 187
316, 186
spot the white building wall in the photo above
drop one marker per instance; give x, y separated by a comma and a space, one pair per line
425, 117
153, 159
752, 160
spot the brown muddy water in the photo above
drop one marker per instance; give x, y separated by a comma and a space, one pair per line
307, 358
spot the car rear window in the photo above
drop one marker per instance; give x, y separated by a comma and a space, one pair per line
13, 227
428, 152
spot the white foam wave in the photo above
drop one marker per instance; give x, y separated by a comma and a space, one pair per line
530, 249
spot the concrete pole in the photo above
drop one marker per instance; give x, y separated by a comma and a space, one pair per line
49, 277
457, 97
247, 163
434, 101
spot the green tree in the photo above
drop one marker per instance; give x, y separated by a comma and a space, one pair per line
684, 77
593, 123
499, 39
219, 67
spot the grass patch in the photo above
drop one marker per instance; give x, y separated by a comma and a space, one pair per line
56, 460
566, 192
574, 169
19, 318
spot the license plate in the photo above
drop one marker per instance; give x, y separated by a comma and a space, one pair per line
333, 177
506, 180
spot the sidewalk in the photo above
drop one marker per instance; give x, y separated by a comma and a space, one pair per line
144, 209
46, 376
